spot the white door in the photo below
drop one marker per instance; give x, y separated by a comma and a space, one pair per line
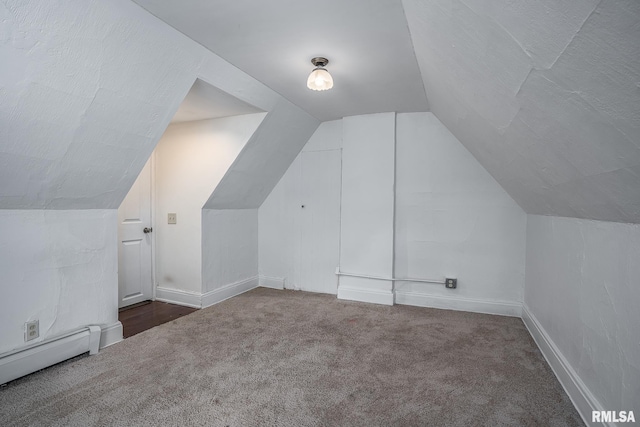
320, 221
134, 242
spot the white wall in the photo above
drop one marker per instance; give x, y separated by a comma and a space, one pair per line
229, 247
190, 160
367, 207
582, 289
59, 267
453, 220
88, 88
299, 247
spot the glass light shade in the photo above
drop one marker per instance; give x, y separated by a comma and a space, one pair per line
320, 79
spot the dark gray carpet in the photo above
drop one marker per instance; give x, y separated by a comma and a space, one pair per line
286, 358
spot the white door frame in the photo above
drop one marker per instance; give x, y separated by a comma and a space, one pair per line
152, 223
153, 195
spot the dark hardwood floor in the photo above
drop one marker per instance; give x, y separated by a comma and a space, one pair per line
148, 314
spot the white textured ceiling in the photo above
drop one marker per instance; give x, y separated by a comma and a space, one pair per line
208, 102
367, 43
545, 94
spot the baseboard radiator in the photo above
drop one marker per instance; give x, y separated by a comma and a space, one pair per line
18, 363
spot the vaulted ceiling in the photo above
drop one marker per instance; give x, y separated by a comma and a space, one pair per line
545, 94
367, 43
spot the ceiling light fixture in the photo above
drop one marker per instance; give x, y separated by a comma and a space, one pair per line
319, 79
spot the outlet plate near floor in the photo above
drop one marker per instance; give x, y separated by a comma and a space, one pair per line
31, 330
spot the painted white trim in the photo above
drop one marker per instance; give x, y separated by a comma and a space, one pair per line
582, 398
175, 296
390, 279
502, 308
110, 335
227, 291
31, 358
365, 295
154, 225
95, 333
271, 282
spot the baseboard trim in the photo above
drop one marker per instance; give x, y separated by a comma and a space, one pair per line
582, 398
110, 335
228, 291
271, 282
502, 308
365, 295
175, 296
31, 358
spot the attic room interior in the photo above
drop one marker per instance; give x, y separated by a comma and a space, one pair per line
447, 236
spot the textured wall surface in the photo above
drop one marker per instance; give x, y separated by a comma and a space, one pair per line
582, 286
59, 267
87, 88
546, 96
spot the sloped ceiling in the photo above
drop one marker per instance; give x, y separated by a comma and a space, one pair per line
366, 41
86, 91
264, 159
208, 102
545, 94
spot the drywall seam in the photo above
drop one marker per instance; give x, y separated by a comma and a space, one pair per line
595, 7
581, 397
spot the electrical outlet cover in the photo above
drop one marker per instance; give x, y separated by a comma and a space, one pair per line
450, 283
32, 330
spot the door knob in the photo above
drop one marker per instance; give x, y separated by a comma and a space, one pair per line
147, 230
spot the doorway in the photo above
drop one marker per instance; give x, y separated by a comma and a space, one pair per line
135, 242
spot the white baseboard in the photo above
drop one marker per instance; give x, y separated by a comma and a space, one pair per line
365, 289
110, 335
582, 398
32, 358
272, 282
503, 308
231, 290
175, 296
362, 295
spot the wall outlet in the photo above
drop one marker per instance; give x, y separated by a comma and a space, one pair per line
450, 283
172, 218
31, 330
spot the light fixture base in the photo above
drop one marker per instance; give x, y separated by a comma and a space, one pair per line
319, 61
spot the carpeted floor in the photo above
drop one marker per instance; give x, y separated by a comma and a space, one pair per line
286, 358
